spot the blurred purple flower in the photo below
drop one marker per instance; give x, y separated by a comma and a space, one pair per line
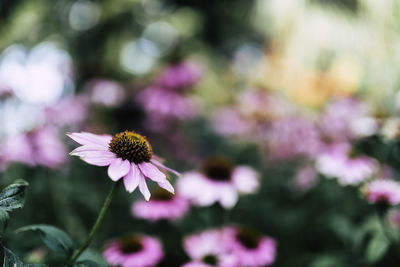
292, 137
219, 181
385, 191
127, 154
179, 76
228, 121
39, 147
209, 248
71, 112
134, 251
250, 248
340, 117
160, 102
337, 161
48, 148
163, 205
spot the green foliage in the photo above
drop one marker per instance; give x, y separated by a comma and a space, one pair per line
86, 263
9, 259
54, 238
12, 197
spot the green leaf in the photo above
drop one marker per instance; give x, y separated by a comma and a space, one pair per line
12, 197
9, 259
93, 256
54, 238
86, 263
377, 247
35, 265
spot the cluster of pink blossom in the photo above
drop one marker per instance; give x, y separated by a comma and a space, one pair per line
320, 141
229, 247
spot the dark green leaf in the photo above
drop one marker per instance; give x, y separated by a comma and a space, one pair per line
54, 238
35, 265
12, 197
9, 259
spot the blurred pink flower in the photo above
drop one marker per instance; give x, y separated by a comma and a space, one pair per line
105, 92
219, 181
291, 137
209, 248
339, 117
48, 148
39, 147
263, 106
134, 251
69, 112
305, 177
228, 121
337, 162
179, 76
18, 149
127, 154
386, 191
250, 248
162, 205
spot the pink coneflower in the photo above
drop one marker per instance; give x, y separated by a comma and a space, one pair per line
209, 248
134, 251
163, 205
127, 154
251, 248
337, 161
383, 191
218, 181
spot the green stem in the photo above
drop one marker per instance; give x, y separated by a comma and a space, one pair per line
96, 225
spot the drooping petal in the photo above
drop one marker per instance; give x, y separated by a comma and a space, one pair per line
85, 138
167, 186
152, 172
143, 188
118, 168
162, 166
131, 180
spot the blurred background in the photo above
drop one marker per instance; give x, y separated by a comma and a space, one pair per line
299, 91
